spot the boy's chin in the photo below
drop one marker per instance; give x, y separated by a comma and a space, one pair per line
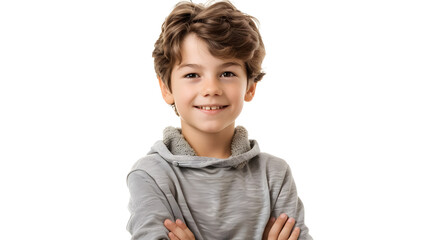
214, 128
217, 130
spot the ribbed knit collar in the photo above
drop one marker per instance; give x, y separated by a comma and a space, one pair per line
177, 144
175, 150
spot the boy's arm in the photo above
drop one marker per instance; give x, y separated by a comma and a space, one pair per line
148, 207
288, 202
281, 228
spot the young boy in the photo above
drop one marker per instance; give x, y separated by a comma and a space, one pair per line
207, 180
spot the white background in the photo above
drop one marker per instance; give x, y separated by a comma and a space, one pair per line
345, 102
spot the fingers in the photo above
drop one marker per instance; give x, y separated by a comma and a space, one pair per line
277, 227
268, 228
187, 231
172, 236
178, 230
287, 229
295, 234
282, 229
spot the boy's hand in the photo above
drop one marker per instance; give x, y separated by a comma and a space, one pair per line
278, 230
178, 230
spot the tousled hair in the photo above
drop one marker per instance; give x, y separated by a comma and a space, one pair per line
228, 33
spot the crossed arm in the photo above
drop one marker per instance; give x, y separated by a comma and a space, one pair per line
149, 207
276, 229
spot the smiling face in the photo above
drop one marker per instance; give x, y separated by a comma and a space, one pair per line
208, 92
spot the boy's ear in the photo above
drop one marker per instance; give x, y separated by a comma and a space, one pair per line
250, 92
166, 93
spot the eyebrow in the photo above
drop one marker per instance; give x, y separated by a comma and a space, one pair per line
192, 65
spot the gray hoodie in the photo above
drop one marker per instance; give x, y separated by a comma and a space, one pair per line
229, 198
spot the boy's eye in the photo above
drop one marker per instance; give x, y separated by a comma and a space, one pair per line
191, 75
228, 74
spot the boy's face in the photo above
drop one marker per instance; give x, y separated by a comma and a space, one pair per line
208, 92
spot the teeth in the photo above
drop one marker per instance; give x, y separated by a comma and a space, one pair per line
210, 108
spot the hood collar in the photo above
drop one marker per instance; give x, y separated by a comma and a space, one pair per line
175, 149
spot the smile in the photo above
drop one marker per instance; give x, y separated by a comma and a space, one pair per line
211, 107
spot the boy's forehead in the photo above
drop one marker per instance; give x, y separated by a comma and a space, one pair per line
204, 65
226, 63
195, 53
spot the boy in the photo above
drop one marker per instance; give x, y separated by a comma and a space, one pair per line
207, 180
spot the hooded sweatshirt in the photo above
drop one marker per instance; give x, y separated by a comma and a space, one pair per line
229, 198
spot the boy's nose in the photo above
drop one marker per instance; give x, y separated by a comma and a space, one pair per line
211, 87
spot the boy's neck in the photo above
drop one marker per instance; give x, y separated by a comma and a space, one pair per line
216, 145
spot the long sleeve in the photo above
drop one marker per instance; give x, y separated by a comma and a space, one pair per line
148, 207
288, 202
208, 194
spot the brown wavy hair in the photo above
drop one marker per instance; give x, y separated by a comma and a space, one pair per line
228, 33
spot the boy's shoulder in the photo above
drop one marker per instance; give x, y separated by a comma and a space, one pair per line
152, 164
272, 161
277, 170
148, 161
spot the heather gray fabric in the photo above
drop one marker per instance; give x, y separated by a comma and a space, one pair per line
217, 198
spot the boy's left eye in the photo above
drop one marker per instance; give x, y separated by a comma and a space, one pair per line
191, 75
228, 74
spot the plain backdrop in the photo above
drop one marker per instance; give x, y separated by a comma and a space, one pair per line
345, 102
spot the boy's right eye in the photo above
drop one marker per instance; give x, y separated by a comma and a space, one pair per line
191, 75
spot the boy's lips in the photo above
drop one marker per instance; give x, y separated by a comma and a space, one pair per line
211, 107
